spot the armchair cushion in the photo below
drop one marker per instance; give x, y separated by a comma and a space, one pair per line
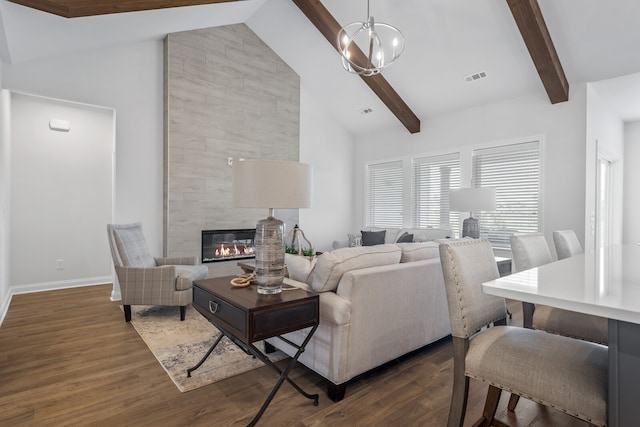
330, 266
184, 260
132, 246
186, 274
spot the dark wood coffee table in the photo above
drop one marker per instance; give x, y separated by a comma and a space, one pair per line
245, 316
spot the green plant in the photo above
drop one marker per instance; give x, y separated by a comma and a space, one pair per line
293, 250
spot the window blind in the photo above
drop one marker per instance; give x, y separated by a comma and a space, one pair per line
384, 195
515, 171
431, 179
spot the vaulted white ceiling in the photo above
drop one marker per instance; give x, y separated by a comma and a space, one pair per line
446, 40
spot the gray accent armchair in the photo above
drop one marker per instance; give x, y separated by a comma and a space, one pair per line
145, 280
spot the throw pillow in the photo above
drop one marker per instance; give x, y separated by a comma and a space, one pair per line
419, 251
299, 267
370, 238
354, 240
405, 238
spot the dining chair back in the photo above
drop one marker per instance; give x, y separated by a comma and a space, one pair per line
529, 250
560, 372
566, 243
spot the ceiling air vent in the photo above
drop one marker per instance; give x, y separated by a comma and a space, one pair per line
476, 76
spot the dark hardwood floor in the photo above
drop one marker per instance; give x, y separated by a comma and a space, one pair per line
67, 358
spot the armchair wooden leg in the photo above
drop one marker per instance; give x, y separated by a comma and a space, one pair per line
127, 313
183, 312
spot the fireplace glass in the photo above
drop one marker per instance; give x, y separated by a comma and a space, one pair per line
225, 245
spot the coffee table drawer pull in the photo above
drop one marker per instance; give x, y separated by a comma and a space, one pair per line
213, 307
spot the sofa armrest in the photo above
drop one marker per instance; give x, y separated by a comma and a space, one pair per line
400, 307
334, 309
189, 260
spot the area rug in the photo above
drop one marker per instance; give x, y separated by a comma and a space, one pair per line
180, 345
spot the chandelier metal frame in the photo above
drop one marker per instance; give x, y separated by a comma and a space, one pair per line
368, 47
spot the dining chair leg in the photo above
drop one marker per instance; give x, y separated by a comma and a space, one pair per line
527, 314
490, 407
513, 402
460, 392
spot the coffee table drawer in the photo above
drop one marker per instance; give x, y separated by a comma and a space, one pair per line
217, 309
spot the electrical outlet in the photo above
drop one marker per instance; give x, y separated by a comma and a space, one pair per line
59, 264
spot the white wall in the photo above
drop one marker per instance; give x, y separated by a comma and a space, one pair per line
561, 125
605, 136
61, 194
129, 79
330, 149
631, 224
5, 194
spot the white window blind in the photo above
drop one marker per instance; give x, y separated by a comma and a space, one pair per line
431, 179
515, 171
384, 194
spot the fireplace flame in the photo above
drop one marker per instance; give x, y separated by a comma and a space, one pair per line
228, 251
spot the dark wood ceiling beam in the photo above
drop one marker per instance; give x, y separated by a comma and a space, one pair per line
536, 37
329, 27
79, 8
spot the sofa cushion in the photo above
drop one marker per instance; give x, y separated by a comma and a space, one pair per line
405, 238
330, 266
418, 251
371, 238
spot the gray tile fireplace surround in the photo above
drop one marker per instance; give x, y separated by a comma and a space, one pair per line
227, 96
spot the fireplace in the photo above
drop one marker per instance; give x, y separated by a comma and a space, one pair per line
225, 245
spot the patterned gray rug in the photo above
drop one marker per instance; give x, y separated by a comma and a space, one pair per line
180, 345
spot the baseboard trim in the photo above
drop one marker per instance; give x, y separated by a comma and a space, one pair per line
61, 284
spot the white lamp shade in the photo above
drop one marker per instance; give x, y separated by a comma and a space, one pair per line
273, 184
472, 199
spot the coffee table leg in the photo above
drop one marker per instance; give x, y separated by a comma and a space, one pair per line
205, 356
284, 375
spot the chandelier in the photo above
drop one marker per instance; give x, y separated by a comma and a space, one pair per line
368, 47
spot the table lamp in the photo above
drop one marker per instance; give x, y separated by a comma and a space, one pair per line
272, 184
472, 200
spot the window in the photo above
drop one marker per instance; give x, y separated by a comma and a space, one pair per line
431, 179
384, 194
515, 172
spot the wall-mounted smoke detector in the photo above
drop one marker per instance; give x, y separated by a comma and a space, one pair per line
367, 110
476, 76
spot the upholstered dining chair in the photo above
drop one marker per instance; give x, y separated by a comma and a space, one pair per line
531, 250
145, 280
553, 370
566, 243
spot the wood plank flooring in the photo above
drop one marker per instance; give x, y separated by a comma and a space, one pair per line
67, 358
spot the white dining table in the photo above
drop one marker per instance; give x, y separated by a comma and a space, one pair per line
604, 283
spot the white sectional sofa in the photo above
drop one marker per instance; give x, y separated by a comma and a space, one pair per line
376, 303
419, 235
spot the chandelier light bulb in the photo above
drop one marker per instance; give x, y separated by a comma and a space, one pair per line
368, 47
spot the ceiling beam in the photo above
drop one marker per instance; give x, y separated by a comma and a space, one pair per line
536, 36
79, 8
329, 27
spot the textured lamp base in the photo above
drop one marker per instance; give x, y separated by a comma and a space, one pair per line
471, 228
269, 250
